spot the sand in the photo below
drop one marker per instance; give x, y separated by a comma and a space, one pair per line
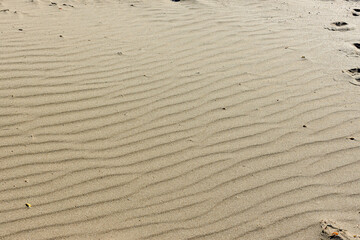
198, 119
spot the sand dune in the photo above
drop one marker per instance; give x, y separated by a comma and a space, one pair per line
198, 119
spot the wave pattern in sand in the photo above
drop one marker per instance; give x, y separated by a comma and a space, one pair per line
198, 120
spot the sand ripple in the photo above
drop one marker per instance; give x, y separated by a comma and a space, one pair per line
201, 119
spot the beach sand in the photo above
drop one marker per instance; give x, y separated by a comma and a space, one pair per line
198, 119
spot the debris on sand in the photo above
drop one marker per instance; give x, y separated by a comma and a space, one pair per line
330, 230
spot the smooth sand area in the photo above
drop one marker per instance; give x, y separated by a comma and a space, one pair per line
198, 119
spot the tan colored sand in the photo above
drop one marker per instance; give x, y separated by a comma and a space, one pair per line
201, 119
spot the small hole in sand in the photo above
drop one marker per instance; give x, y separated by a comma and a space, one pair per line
357, 9
339, 24
354, 70
357, 45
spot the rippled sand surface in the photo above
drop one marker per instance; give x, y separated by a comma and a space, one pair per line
197, 119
